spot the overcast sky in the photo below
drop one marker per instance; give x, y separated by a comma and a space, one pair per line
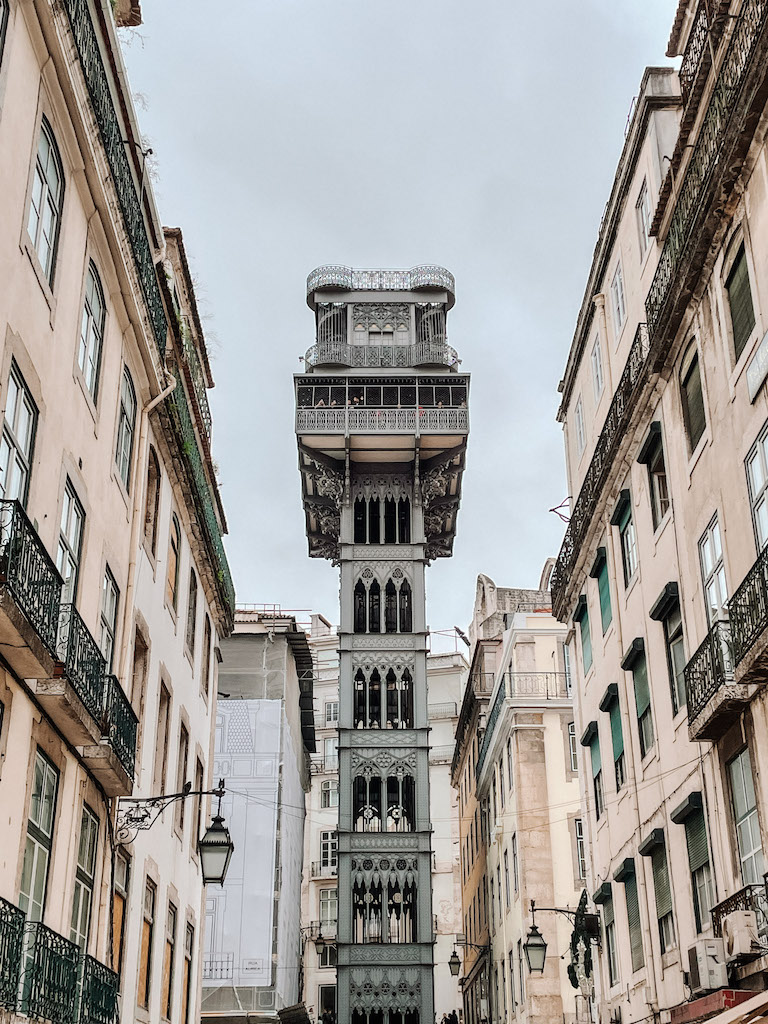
479, 135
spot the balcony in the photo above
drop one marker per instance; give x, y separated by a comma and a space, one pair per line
537, 685
349, 279
354, 420
445, 709
490, 725
320, 870
696, 52
325, 928
748, 612
11, 945
423, 353
196, 377
113, 760
715, 700
49, 976
324, 766
751, 897
30, 593
98, 992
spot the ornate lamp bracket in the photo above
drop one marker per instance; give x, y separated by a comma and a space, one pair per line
138, 813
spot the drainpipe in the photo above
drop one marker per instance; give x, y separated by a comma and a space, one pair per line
138, 494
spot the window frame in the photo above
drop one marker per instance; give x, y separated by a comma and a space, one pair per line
581, 847
121, 893
108, 620
40, 177
596, 364
688, 364
716, 574
643, 215
190, 629
618, 300
148, 913
85, 881
580, 426
169, 960
739, 263
126, 428
91, 338
751, 817
758, 496
174, 560
66, 553
39, 833
18, 457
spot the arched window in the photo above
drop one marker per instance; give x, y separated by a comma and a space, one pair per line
366, 908
374, 523
189, 635
46, 200
359, 611
366, 803
91, 331
401, 911
329, 793
126, 428
692, 397
400, 802
399, 700
360, 516
374, 606
390, 521
174, 549
404, 521
390, 607
405, 607
367, 701
152, 503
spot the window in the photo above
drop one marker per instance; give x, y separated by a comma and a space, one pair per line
181, 776
169, 958
663, 893
515, 864
37, 852
18, 439
3, 24
581, 850
174, 549
698, 862
652, 455
643, 214
521, 969
70, 542
597, 773
740, 302
673, 638
692, 397
145, 946
745, 818
567, 669
582, 617
639, 669
757, 478
331, 712
622, 517
617, 743
581, 433
599, 571
609, 927
327, 956
152, 505
618, 303
161, 739
510, 766
596, 359
46, 201
572, 746
91, 331
126, 428
328, 848
507, 892
513, 999
331, 753
110, 597
329, 906
502, 788
119, 903
326, 1001
197, 807
633, 922
205, 677
186, 981
84, 879
713, 571
189, 635
329, 794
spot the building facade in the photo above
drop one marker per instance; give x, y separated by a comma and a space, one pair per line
381, 422
114, 586
661, 571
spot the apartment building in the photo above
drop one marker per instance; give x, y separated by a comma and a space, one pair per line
114, 585
661, 573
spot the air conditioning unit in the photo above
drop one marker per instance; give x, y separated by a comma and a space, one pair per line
740, 936
706, 960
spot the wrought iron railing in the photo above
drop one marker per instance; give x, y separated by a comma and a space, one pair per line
748, 608
112, 136
336, 276
197, 375
29, 573
11, 947
694, 50
751, 897
423, 353
322, 765
490, 725
546, 685
120, 724
98, 993
49, 975
204, 499
325, 928
320, 870
391, 421
84, 664
710, 668
444, 709
218, 966
607, 445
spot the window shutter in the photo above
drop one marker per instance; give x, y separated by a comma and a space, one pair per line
626, 515
696, 839
617, 736
695, 421
594, 749
633, 921
605, 596
642, 691
608, 912
661, 882
586, 641
740, 302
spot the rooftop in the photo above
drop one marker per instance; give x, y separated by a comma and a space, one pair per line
348, 279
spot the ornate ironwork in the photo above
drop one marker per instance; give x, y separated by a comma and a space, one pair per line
547, 685
391, 421
630, 383
710, 668
11, 944
218, 966
98, 993
748, 608
196, 375
490, 725
49, 975
138, 813
28, 572
84, 664
120, 724
423, 353
694, 50
110, 129
751, 897
334, 276
383, 315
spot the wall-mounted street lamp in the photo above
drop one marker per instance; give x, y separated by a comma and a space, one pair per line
454, 963
535, 946
137, 814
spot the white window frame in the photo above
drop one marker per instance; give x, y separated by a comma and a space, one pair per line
91, 331
85, 877
581, 848
70, 547
596, 361
580, 426
643, 214
46, 201
756, 464
126, 428
712, 564
110, 600
331, 712
573, 746
329, 847
18, 438
618, 300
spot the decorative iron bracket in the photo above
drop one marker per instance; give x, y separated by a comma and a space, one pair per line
138, 813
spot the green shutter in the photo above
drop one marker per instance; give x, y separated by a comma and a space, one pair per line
617, 736
608, 912
594, 750
696, 839
642, 692
633, 921
693, 406
586, 642
661, 882
605, 596
740, 302
626, 515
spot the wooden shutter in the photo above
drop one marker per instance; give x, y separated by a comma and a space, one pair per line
696, 840
586, 641
642, 691
617, 736
594, 749
605, 596
118, 919
740, 302
608, 917
633, 922
661, 882
693, 403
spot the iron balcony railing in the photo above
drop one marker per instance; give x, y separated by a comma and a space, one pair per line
320, 870
710, 668
482, 683
388, 421
120, 724
490, 725
544, 685
49, 975
113, 139
340, 353
748, 608
218, 966
197, 375
98, 992
694, 51
751, 897
29, 573
445, 709
84, 664
336, 276
321, 766
325, 928
11, 948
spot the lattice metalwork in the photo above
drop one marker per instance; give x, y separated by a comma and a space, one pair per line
196, 376
710, 668
49, 975
120, 724
391, 421
694, 50
98, 993
84, 663
11, 944
335, 276
423, 353
748, 608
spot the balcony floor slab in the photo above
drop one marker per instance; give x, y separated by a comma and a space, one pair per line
721, 711
65, 709
106, 767
753, 667
20, 645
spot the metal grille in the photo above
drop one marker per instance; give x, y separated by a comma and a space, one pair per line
11, 942
710, 668
218, 966
120, 724
751, 897
49, 975
196, 376
423, 353
98, 993
84, 663
498, 704
694, 51
748, 608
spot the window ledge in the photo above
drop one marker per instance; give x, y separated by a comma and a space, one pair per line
88, 397
744, 359
704, 441
670, 958
122, 489
664, 522
631, 586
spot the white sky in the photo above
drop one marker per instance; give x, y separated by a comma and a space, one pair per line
482, 136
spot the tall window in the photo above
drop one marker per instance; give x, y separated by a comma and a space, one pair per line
638, 665
581, 850
145, 946
181, 775
740, 302
3, 25
37, 851
713, 571
197, 806
46, 200
172, 577
745, 818
169, 960
643, 214
618, 302
512, 994
757, 477
581, 431
652, 456
85, 872
510, 765
110, 597
692, 397
663, 892
622, 517
609, 927
673, 637
592, 740
698, 862
329, 794
152, 504
119, 903
572, 747
186, 981
507, 892
70, 542
18, 439
328, 848
599, 571
596, 359
331, 753
582, 617
515, 864
189, 635
329, 906
91, 331
331, 712
207, 645
161, 739
126, 428
633, 922
610, 703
